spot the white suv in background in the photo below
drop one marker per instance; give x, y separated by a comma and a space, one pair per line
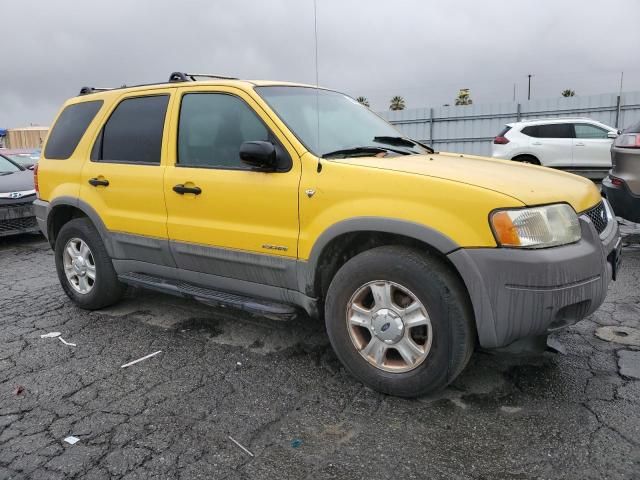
572, 143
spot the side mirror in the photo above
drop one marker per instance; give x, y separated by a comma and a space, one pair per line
612, 135
260, 155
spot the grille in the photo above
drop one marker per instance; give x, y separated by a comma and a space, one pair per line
17, 225
598, 215
14, 205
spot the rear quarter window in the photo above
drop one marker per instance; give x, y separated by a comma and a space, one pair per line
69, 129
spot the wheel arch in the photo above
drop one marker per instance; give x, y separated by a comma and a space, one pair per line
64, 209
517, 158
343, 240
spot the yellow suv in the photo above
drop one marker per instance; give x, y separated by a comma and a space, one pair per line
275, 198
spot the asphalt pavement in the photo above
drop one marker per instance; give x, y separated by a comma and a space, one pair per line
231, 396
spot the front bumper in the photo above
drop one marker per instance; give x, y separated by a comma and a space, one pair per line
17, 217
518, 293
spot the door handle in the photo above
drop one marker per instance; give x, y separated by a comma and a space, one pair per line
536, 143
181, 189
579, 144
97, 182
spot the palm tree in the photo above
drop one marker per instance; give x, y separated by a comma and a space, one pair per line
568, 93
397, 103
363, 100
464, 97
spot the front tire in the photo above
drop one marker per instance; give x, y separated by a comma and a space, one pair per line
84, 267
400, 321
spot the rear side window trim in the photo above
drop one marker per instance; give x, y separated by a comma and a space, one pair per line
97, 143
72, 145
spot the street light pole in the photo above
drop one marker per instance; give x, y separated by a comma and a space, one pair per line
529, 92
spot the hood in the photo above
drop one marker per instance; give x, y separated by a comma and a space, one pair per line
17, 182
530, 184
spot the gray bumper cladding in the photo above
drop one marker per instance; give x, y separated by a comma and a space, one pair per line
520, 293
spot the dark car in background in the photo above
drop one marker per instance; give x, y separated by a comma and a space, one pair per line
24, 156
17, 193
622, 185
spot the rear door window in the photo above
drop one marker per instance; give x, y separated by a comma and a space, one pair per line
553, 130
587, 131
133, 133
69, 129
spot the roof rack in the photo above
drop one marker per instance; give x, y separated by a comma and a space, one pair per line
88, 90
174, 77
186, 77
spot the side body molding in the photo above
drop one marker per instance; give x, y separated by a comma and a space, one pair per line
307, 270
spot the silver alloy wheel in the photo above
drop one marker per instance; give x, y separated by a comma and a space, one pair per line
389, 326
79, 265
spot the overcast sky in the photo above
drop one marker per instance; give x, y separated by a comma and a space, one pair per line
422, 50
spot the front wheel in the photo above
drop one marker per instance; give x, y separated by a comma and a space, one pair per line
84, 267
400, 321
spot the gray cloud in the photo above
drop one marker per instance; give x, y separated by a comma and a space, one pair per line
422, 50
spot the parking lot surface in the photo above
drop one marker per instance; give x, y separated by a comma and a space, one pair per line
279, 391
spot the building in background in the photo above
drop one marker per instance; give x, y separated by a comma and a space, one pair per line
26, 137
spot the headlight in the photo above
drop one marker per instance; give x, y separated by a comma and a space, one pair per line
536, 227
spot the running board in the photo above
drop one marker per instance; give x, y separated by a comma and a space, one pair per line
265, 308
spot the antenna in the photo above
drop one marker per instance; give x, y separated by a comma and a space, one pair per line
315, 32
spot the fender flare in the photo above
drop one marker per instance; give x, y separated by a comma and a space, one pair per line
428, 235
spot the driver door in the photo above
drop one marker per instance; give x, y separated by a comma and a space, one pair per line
224, 219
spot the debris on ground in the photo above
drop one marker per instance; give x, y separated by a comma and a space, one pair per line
51, 335
141, 359
619, 334
67, 343
506, 409
629, 363
57, 335
19, 390
71, 440
296, 443
241, 446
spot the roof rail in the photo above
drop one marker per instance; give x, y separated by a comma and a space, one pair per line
88, 90
186, 77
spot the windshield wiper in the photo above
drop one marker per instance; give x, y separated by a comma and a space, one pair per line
364, 151
2, 174
401, 142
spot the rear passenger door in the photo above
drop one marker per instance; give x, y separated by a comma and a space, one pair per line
591, 147
552, 143
123, 181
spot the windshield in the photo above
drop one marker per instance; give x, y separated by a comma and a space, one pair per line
7, 167
24, 159
344, 124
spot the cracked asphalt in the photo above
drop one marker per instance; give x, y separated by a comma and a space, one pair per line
278, 389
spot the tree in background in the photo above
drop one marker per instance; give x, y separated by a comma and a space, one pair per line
464, 97
397, 103
568, 93
363, 100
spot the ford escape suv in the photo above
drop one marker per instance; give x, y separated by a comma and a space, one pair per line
277, 198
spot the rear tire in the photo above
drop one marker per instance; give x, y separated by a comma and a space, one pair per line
80, 255
416, 279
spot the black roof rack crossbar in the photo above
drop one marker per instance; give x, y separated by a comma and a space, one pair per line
186, 77
88, 90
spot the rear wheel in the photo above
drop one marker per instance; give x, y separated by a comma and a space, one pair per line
400, 321
84, 267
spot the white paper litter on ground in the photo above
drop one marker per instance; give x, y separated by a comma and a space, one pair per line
238, 444
72, 440
67, 343
141, 359
51, 335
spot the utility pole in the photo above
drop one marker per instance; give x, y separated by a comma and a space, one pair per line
529, 92
514, 92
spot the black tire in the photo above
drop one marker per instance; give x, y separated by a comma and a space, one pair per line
527, 159
106, 289
440, 291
